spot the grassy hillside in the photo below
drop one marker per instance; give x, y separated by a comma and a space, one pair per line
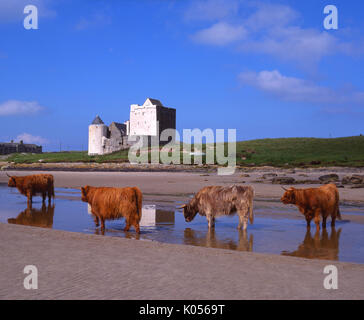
348, 151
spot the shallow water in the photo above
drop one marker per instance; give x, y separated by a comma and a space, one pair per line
272, 231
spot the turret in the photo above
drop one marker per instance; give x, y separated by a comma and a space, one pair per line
97, 130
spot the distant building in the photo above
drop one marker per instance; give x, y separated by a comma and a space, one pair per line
149, 119
14, 147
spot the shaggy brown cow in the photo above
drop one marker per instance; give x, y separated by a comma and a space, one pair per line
215, 201
114, 203
33, 185
313, 202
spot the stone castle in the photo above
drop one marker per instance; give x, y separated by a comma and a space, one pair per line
149, 119
15, 147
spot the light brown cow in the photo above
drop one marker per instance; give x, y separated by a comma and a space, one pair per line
33, 185
215, 201
114, 203
315, 202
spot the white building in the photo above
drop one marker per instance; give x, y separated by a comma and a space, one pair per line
149, 119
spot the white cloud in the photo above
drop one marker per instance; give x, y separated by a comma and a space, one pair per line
299, 90
220, 34
16, 107
28, 138
13, 10
270, 29
271, 15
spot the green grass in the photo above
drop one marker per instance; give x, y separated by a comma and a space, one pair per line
72, 156
293, 152
348, 151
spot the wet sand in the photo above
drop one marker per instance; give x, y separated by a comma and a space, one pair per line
184, 183
80, 266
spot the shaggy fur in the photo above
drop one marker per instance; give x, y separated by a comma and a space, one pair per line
114, 203
315, 202
215, 201
33, 185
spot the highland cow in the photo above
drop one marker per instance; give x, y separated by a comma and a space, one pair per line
315, 202
34, 185
215, 201
114, 203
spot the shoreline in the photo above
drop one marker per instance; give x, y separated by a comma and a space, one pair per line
114, 166
183, 184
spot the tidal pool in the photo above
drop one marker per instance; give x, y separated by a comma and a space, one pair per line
273, 230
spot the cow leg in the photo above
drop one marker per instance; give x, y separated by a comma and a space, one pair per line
44, 196
211, 221
137, 228
324, 222
127, 226
333, 219
49, 197
30, 199
317, 219
97, 220
102, 224
308, 221
243, 221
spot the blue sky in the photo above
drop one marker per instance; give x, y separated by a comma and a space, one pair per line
266, 68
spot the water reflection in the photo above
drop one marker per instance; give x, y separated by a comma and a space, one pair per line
35, 217
151, 216
320, 246
244, 243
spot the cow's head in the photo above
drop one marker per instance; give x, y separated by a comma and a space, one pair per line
12, 181
84, 193
289, 197
189, 212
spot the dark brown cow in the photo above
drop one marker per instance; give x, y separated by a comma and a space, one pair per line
33, 185
114, 203
315, 202
215, 201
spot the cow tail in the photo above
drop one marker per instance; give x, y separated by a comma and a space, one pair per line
338, 213
139, 202
251, 213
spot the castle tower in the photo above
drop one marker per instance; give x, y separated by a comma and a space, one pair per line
97, 130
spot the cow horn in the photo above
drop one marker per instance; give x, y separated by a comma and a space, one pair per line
182, 206
284, 188
7, 174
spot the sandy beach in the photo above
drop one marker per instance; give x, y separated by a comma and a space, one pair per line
81, 266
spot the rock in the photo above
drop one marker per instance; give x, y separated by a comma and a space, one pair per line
283, 180
315, 162
269, 175
257, 181
357, 186
308, 182
327, 178
303, 175
291, 171
354, 179
245, 175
